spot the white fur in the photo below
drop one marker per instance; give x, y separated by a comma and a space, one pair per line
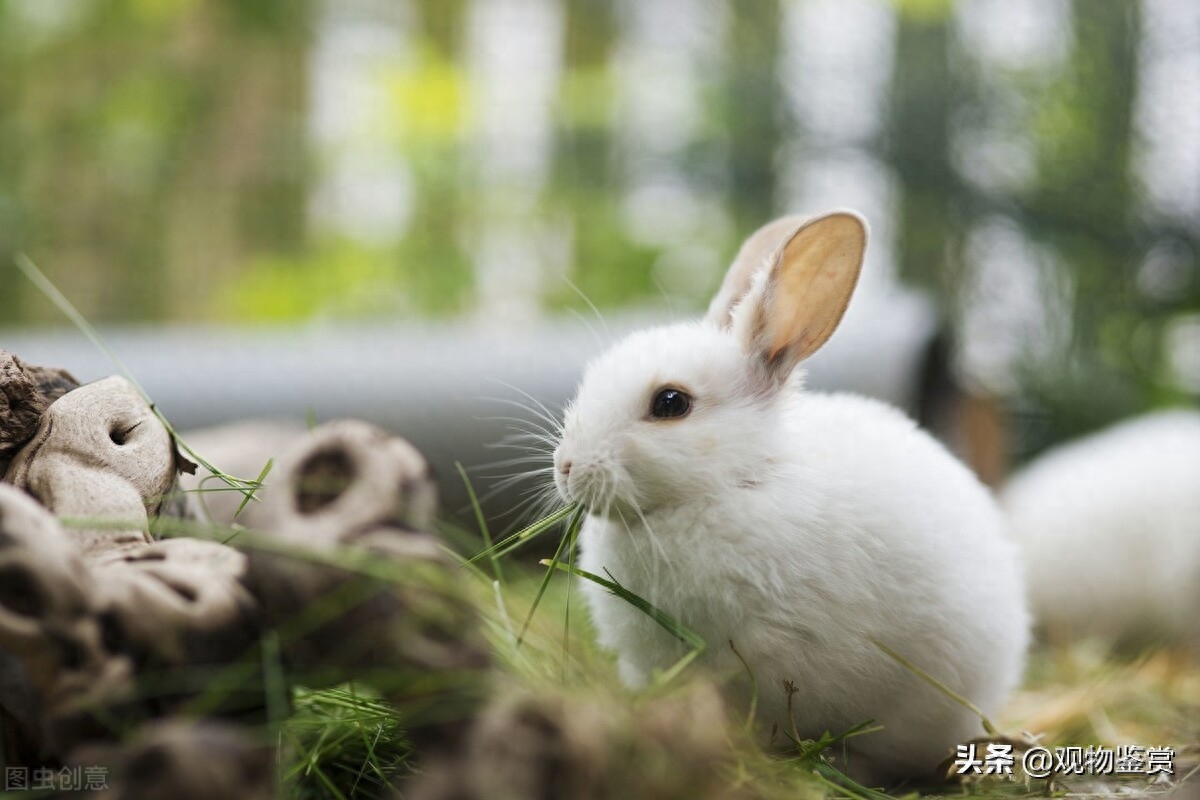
1110, 526
802, 527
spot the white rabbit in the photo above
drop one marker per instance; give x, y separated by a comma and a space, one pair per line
804, 528
1110, 526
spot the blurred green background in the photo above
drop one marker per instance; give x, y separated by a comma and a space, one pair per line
1033, 164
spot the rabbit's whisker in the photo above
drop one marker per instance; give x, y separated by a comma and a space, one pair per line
539, 408
592, 306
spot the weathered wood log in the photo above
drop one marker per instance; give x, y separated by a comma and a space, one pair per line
368, 593
165, 610
99, 454
554, 744
183, 760
351, 581
26, 391
179, 610
54, 658
348, 478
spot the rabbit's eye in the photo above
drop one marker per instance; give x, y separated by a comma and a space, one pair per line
669, 403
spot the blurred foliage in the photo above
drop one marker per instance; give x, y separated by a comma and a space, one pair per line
158, 160
148, 147
1081, 207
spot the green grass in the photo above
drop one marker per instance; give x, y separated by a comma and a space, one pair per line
343, 742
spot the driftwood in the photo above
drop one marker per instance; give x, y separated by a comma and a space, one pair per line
98, 619
183, 760
550, 744
99, 454
53, 655
76, 636
26, 391
395, 609
349, 479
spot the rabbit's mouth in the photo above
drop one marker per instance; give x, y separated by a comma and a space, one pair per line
607, 503
597, 481
581, 492
593, 489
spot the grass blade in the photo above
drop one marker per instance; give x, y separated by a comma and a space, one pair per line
497, 571
753, 686
567, 542
941, 687
669, 623
572, 532
523, 536
252, 494
847, 786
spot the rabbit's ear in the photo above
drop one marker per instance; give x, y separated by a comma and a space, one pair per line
751, 258
794, 305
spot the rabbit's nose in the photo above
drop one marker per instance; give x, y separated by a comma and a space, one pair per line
565, 468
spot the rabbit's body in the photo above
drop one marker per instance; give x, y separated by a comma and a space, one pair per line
804, 577
807, 529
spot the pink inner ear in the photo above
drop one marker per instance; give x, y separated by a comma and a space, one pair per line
815, 279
